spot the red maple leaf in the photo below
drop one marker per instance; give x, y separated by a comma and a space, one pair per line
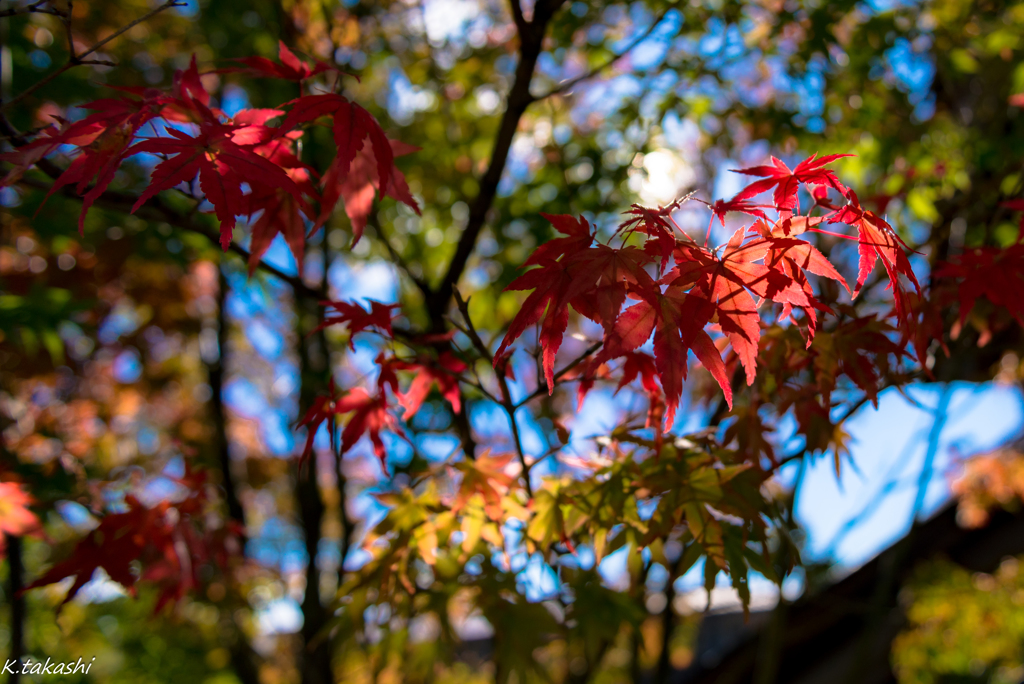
677, 320
786, 181
724, 283
579, 236
188, 85
679, 328
114, 545
277, 209
878, 241
370, 416
361, 185
223, 157
16, 519
444, 373
321, 410
642, 365
290, 68
352, 126
1017, 205
379, 317
719, 208
658, 225
553, 286
594, 280
990, 272
102, 140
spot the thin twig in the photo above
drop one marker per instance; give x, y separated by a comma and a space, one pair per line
79, 59
506, 396
34, 8
543, 387
573, 82
424, 288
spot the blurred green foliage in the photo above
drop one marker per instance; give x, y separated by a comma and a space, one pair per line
962, 626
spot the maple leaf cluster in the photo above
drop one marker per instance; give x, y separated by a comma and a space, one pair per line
373, 413
242, 165
709, 297
168, 540
748, 309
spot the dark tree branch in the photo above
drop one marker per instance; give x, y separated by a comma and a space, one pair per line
531, 38
517, 16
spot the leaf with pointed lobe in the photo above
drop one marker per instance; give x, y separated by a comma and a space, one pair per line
553, 286
639, 364
114, 545
222, 165
102, 139
991, 273
655, 223
719, 208
1017, 205
358, 319
352, 127
485, 476
786, 182
444, 373
579, 236
679, 321
370, 417
188, 85
879, 242
594, 280
358, 188
613, 273
277, 211
16, 518
738, 317
290, 68
321, 410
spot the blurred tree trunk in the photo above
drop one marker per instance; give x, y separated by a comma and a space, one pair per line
315, 658
16, 580
216, 372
